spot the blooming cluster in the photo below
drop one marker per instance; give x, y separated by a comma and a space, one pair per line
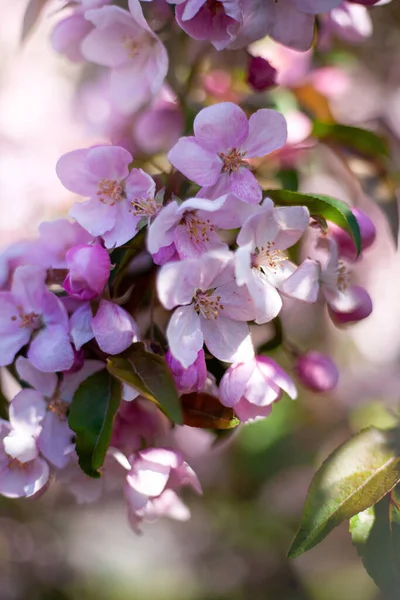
136, 316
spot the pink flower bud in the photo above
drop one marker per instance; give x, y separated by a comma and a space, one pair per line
317, 372
193, 378
89, 269
364, 2
359, 307
251, 388
345, 244
261, 74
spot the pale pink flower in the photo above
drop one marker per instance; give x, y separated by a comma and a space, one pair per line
112, 326
119, 198
346, 303
22, 472
251, 387
124, 42
55, 239
190, 379
216, 21
223, 141
88, 271
317, 371
31, 312
188, 227
49, 400
212, 309
153, 477
350, 22
259, 261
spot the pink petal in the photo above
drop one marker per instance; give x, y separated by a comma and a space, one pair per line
245, 186
125, 227
108, 162
304, 283
267, 133
24, 482
94, 216
259, 229
227, 340
160, 233
13, 337
291, 27
113, 328
271, 369
250, 412
72, 381
45, 383
51, 350
266, 299
20, 444
184, 335
234, 382
195, 162
55, 439
148, 478
221, 127
293, 221
28, 287
80, 326
68, 34
168, 504
162, 456
316, 6
72, 173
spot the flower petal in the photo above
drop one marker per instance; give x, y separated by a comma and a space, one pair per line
184, 335
221, 127
51, 350
267, 133
227, 340
195, 162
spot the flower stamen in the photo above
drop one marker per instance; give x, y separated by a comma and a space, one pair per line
233, 160
206, 305
110, 191
268, 256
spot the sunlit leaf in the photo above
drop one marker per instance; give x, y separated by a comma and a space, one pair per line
327, 207
206, 412
91, 416
355, 476
376, 535
362, 141
149, 374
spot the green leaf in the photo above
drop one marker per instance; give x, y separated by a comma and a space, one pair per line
149, 374
355, 476
362, 141
91, 416
206, 412
376, 535
327, 207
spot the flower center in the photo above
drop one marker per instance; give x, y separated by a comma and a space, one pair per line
233, 160
14, 464
144, 207
343, 277
30, 320
215, 6
131, 45
198, 230
110, 191
58, 406
207, 305
268, 256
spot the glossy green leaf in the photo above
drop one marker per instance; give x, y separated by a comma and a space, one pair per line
355, 476
362, 141
91, 416
376, 535
327, 207
149, 374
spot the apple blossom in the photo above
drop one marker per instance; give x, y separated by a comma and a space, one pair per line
317, 371
190, 379
88, 271
251, 387
211, 308
223, 141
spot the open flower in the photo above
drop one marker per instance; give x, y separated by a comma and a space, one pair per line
259, 262
188, 227
153, 476
30, 312
346, 303
211, 308
88, 271
251, 387
124, 42
50, 399
223, 141
119, 199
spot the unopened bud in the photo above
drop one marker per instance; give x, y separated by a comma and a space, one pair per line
317, 372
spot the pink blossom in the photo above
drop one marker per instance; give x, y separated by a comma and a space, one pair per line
22, 472
158, 128
216, 21
55, 239
351, 22
259, 261
223, 141
119, 199
89, 270
154, 475
124, 42
190, 379
211, 308
49, 400
251, 387
31, 312
317, 372
187, 227
114, 328
261, 74
137, 422
346, 303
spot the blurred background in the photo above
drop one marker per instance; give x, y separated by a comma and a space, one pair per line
255, 484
